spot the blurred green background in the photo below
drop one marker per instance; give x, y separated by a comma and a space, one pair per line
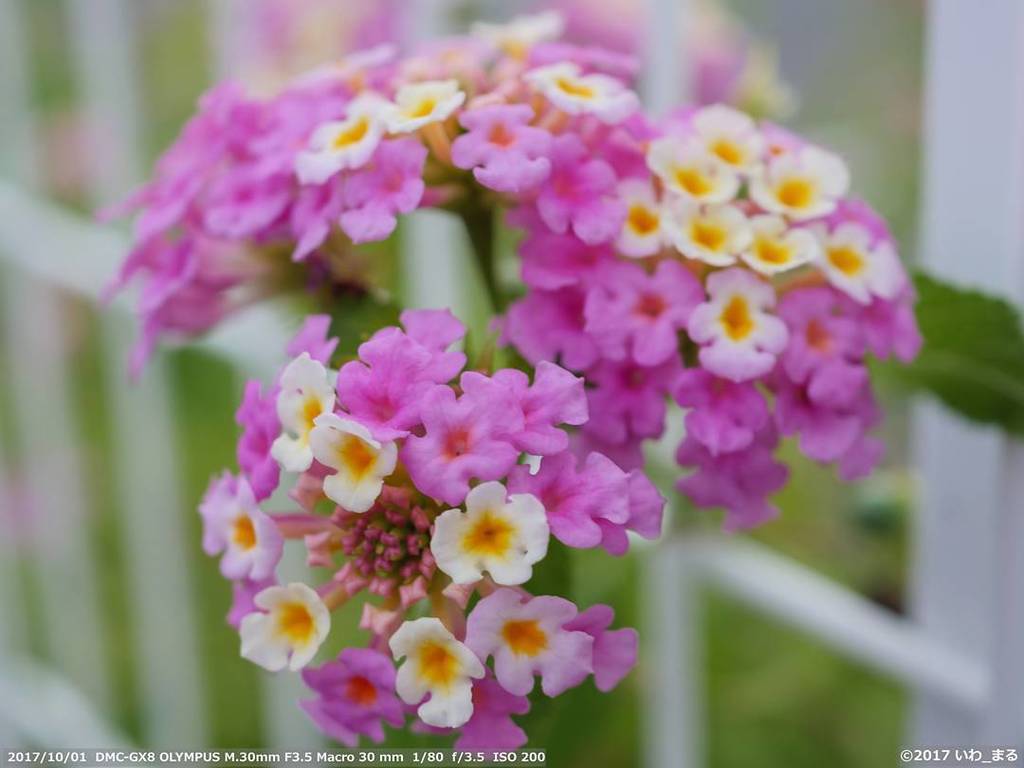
775, 697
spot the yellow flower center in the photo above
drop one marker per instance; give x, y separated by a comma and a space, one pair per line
356, 455
737, 319
728, 151
694, 181
353, 133
772, 251
847, 260
423, 108
490, 536
311, 408
295, 622
574, 87
524, 638
708, 235
641, 220
795, 193
437, 664
243, 533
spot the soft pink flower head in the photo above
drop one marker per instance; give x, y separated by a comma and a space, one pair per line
549, 325
528, 638
579, 195
627, 400
356, 696
640, 315
392, 183
491, 728
724, 415
615, 651
257, 415
504, 151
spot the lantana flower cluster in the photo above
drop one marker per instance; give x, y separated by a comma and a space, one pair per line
705, 258
431, 491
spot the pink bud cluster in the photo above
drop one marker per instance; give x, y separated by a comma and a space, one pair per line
409, 482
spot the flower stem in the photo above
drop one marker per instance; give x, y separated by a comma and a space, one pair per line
479, 221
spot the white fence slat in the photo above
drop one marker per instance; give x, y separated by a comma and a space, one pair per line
227, 36
17, 149
147, 475
666, 72
973, 233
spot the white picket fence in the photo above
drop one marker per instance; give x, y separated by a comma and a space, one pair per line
962, 651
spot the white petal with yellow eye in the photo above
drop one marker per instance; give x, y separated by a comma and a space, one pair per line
516, 37
730, 136
776, 247
856, 266
361, 462
343, 144
687, 169
287, 630
801, 185
565, 86
438, 664
714, 234
307, 390
503, 535
642, 232
420, 104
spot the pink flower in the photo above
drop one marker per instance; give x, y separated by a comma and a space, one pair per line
739, 481
724, 416
528, 638
491, 727
646, 510
437, 330
627, 400
739, 339
551, 260
549, 325
580, 194
356, 696
313, 339
615, 651
555, 398
257, 415
504, 151
889, 327
243, 596
234, 524
245, 202
392, 183
640, 315
314, 213
465, 438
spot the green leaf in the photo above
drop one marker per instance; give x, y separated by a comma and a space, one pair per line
973, 354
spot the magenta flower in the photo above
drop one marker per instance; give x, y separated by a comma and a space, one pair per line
257, 415
615, 651
724, 416
243, 595
579, 195
504, 151
646, 510
465, 438
313, 339
551, 260
491, 728
549, 325
390, 184
246, 202
739, 481
627, 400
640, 315
528, 638
233, 524
315, 212
356, 696
437, 330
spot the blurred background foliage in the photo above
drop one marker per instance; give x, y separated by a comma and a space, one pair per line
775, 697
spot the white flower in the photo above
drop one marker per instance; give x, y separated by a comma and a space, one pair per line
855, 266
306, 392
352, 68
714, 234
343, 144
438, 664
420, 104
686, 168
504, 537
361, 461
740, 339
516, 37
287, 630
574, 93
730, 136
642, 232
803, 184
776, 247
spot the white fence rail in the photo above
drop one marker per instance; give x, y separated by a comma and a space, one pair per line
962, 653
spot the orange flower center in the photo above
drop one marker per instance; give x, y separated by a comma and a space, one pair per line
525, 637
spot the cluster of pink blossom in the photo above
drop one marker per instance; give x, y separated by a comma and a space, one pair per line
421, 484
704, 258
